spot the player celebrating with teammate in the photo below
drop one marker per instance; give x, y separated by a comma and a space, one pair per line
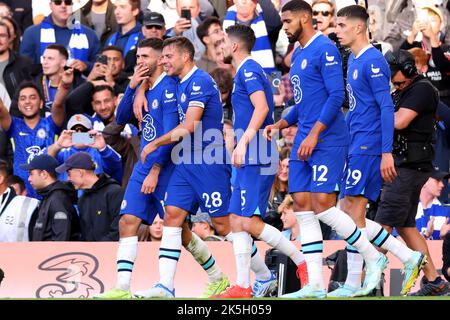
321, 144
146, 188
198, 180
254, 157
370, 120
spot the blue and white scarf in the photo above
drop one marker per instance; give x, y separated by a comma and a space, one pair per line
262, 51
132, 41
78, 47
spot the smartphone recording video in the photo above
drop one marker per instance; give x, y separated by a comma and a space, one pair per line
83, 138
186, 13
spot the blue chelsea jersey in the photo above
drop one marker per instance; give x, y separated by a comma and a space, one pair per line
318, 85
162, 116
370, 105
198, 89
250, 78
28, 143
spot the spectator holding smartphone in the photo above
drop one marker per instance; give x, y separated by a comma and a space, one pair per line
186, 25
107, 160
47, 76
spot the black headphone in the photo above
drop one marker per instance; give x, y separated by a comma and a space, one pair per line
403, 61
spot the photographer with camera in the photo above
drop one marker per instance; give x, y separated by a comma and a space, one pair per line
415, 101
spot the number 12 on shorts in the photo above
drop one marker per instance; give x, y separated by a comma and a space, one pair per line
319, 173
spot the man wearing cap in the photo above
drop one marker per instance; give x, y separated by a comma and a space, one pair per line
106, 158
56, 219
99, 206
431, 213
203, 227
415, 100
153, 26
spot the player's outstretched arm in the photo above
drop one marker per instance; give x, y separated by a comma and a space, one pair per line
5, 117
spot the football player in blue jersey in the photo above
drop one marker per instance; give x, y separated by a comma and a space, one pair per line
144, 195
217, 281
201, 177
254, 157
30, 135
370, 120
315, 170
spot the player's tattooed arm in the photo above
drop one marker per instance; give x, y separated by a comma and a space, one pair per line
5, 117
151, 181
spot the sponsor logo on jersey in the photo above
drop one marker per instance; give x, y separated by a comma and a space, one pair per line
169, 95
330, 60
298, 94
375, 72
32, 152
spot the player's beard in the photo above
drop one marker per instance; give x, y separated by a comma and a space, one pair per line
296, 36
228, 59
151, 69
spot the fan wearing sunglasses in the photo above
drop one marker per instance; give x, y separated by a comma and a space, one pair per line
323, 13
60, 27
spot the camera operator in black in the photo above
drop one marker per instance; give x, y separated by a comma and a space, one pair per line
416, 101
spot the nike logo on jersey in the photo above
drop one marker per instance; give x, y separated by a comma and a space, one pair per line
213, 211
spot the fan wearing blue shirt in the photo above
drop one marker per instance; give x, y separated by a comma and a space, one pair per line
30, 135
370, 121
144, 196
315, 170
255, 158
127, 37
